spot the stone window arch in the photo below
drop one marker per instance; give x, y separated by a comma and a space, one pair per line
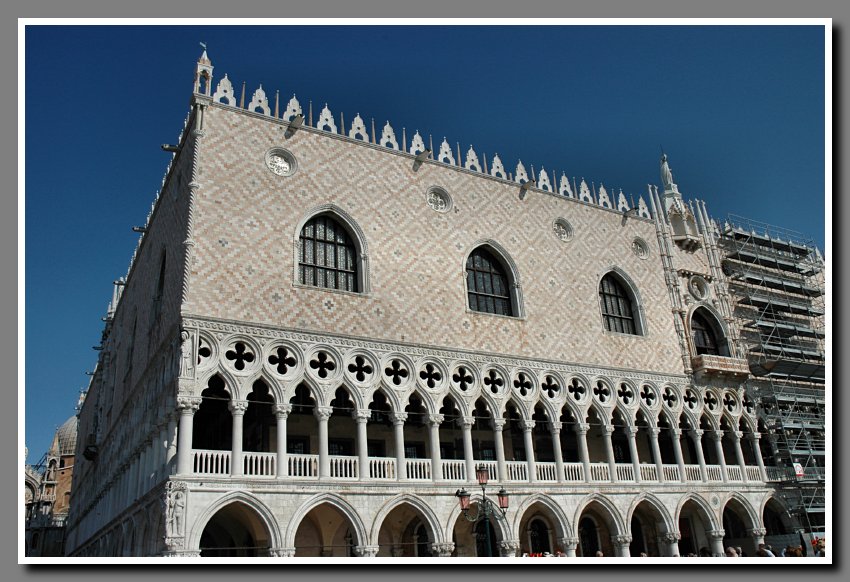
707, 334
492, 284
331, 252
620, 305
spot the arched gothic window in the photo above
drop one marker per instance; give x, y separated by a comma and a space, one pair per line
705, 337
618, 307
487, 284
328, 256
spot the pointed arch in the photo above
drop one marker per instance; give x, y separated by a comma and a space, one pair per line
260, 509
709, 333
355, 236
500, 525
274, 386
417, 503
657, 505
739, 501
562, 522
620, 303
608, 506
335, 501
488, 257
702, 506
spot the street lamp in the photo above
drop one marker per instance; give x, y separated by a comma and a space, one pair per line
484, 509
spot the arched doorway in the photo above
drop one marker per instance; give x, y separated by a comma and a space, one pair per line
478, 539
646, 527
327, 532
596, 526
736, 522
235, 530
694, 523
404, 533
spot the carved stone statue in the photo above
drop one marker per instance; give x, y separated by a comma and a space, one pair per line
666, 174
185, 353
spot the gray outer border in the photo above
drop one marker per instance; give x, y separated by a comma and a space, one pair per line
374, 9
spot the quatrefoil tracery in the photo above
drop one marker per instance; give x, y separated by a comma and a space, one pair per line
463, 378
602, 392
239, 355
396, 372
360, 368
576, 389
431, 375
282, 359
522, 384
626, 394
669, 397
551, 387
493, 380
323, 364
648, 396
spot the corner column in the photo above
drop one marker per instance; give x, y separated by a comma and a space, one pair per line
187, 408
621, 543
672, 540
569, 545
237, 410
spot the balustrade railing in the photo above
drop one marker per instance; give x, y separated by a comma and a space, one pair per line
259, 464
303, 465
492, 468
344, 467
625, 472
671, 472
382, 468
692, 473
753, 473
546, 472
714, 473
517, 470
454, 470
573, 472
648, 473
206, 462
599, 472
419, 469
733, 473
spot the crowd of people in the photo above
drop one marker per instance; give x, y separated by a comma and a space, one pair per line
764, 551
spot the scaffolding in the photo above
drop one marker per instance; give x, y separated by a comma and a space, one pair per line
776, 280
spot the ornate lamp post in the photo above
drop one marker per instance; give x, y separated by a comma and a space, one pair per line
484, 509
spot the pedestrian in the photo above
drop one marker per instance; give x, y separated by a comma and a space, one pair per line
740, 551
599, 553
731, 552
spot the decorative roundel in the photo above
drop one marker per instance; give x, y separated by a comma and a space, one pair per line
626, 395
602, 393
438, 199
494, 381
361, 368
552, 386
670, 398
649, 397
730, 402
323, 364
562, 229
397, 371
432, 375
281, 162
283, 359
698, 287
577, 390
640, 248
691, 400
207, 352
748, 405
463, 377
711, 402
241, 356
524, 384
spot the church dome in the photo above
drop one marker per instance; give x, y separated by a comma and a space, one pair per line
66, 435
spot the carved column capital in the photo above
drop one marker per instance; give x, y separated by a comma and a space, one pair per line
754, 436
442, 550
676, 432
499, 424
508, 548
188, 404
717, 435
582, 427
323, 412
366, 551
466, 422
671, 537
398, 418
655, 431
555, 427
738, 434
238, 407
569, 542
435, 419
361, 415
527, 425
697, 433
621, 540
631, 431
757, 532
281, 411
716, 534
608, 430
282, 552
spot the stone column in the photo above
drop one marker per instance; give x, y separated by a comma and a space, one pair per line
716, 538
739, 455
398, 419
631, 432
466, 423
361, 417
621, 545
696, 435
757, 534
656, 452
281, 413
237, 410
717, 436
501, 466
443, 550
187, 407
569, 546
171, 451
754, 439
508, 548
672, 541
434, 421
581, 429
677, 451
607, 430
556, 447
527, 426
322, 414
366, 551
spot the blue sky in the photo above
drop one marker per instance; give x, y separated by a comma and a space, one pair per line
739, 110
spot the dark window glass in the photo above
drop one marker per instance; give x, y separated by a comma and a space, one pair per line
617, 306
705, 341
327, 255
487, 284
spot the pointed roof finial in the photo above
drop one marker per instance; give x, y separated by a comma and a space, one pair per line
204, 58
